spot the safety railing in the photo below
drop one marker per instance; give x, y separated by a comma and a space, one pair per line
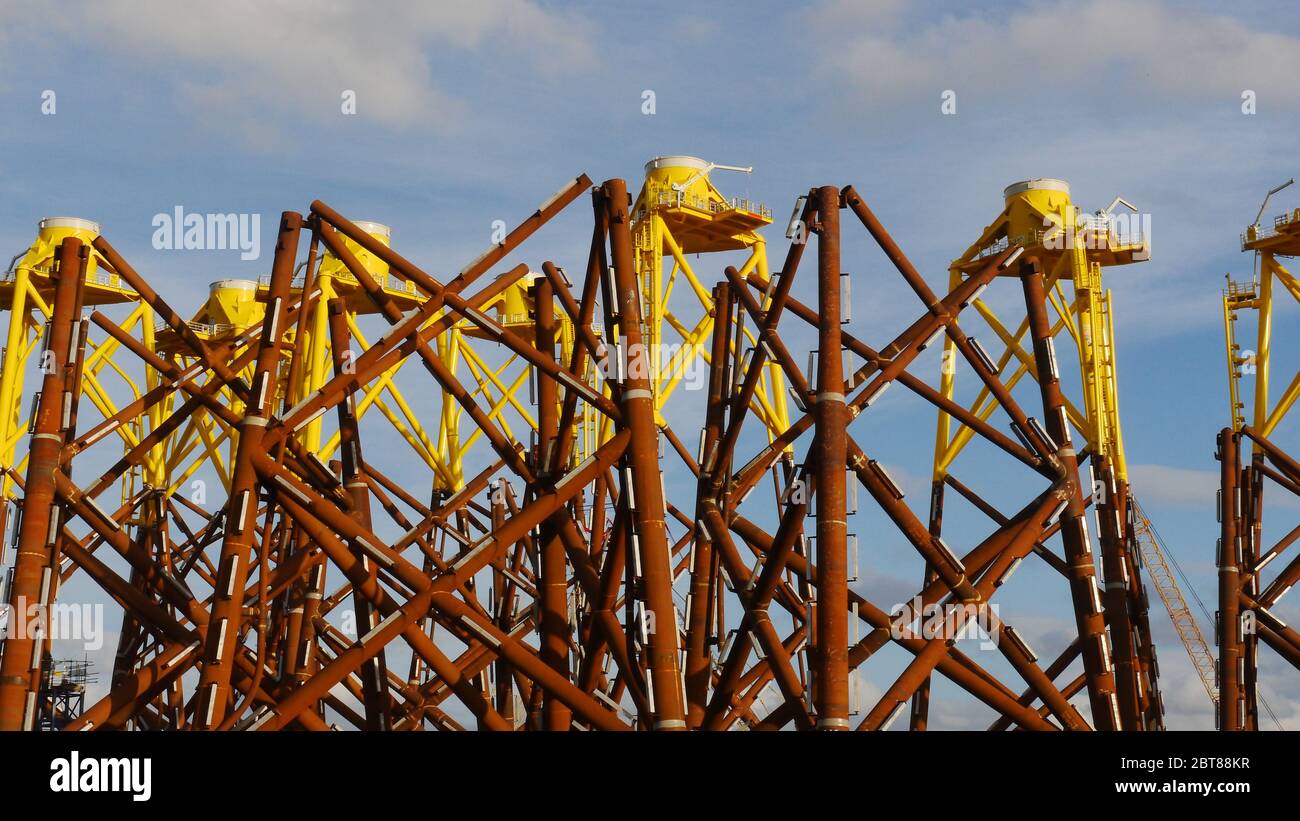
712, 206
97, 277
211, 329
388, 282
1255, 233
1121, 233
1243, 290
1032, 239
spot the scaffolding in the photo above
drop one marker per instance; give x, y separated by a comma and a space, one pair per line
63, 691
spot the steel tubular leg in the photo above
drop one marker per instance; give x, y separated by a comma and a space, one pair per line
241, 512
554, 590
1088, 616
829, 452
702, 570
642, 459
374, 678
34, 582
1231, 646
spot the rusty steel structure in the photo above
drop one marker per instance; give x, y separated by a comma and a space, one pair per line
1071, 306
595, 572
1248, 594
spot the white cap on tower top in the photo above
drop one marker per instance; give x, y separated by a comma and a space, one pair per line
1041, 184
70, 222
676, 161
374, 228
234, 284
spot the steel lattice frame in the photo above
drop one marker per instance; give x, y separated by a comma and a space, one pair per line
1245, 616
554, 605
1248, 595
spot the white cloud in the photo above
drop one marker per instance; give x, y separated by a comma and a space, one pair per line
1116, 49
1176, 487
1186, 488
250, 60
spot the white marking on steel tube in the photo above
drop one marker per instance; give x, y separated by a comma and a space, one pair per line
102, 432
290, 488
309, 419
182, 654
99, 510
380, 556
478, 630
221, 641
273, 314
375, 631
289, 414
259, 402
242, 515
976, 294
888, 721
1011, 570
1058, 510
230, 575
262, 718
212, 703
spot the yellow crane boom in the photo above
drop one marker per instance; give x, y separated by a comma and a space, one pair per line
1153, 556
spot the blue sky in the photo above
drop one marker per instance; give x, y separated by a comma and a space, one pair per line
469, 113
